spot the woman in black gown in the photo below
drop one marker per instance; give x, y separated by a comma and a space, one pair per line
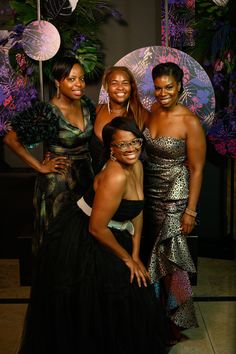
64, 125
90, 291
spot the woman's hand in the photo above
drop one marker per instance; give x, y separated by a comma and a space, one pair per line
136, 272
58, 164
142, 267
188, 222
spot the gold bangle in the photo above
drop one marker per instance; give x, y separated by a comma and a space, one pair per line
191, 212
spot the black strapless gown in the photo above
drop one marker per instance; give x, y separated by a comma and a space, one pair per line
81, 297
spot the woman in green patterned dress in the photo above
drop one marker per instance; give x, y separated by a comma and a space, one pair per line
64, 125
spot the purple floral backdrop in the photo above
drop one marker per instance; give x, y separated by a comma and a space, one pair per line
207, 31
16, 90
180, 31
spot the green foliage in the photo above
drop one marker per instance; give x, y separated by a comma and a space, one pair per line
87, 55
25, 10
214, 31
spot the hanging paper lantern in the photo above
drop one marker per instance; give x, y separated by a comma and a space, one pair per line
221, 2
41, 40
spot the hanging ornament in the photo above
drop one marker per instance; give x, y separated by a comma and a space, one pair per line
221, 2
41, 40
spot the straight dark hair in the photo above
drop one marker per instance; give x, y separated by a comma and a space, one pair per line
62, 67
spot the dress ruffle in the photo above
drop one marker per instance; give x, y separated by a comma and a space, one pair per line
169, 261
36, 124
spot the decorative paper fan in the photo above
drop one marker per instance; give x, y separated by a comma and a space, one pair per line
41, 40
198, 93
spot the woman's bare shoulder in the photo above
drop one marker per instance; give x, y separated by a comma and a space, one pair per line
192, 123
155, 107
112, 175
100, 107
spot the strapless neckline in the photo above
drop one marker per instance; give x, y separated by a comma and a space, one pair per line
162, 136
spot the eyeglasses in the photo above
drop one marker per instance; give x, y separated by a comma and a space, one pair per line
124, 145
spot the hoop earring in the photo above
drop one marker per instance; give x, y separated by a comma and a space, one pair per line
108, 106
112, 157
58, 91
127, 107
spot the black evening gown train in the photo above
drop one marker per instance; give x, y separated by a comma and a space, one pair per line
81, 297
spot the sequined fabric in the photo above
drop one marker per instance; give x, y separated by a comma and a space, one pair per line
166, 192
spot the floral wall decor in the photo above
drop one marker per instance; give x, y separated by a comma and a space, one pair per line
214, 47
179, 23
17, 92
215, 33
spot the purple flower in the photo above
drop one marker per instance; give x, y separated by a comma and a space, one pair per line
4, 125
77, 41
218, 80
2, 97
176, 2
218, 65
29, 70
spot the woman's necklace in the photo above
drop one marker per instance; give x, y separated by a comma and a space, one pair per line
118, 110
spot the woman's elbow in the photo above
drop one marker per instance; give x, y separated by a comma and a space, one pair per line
93, 229
196, 171
10, 139
6, 139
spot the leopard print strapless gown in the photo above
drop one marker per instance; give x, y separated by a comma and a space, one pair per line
166, 192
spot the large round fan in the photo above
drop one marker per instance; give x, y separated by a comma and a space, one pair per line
41, 40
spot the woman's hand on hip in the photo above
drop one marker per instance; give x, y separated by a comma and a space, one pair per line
58, 164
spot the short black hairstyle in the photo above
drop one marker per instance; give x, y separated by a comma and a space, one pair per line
118, 123
62, 67
169, 69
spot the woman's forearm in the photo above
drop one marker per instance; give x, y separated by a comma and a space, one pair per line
14, 144
136, 239
107, 239
195, 183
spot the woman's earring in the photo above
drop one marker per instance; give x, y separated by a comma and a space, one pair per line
112, 157
108, 107
58, 91
127, 107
